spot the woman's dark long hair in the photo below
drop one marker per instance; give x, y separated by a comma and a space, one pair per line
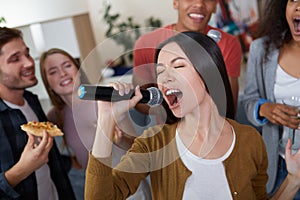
207, 59
274, 26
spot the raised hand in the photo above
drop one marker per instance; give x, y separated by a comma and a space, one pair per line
117, 109
109, 115
292, 161
34, 155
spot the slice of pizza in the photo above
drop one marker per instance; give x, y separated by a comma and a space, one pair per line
37, 128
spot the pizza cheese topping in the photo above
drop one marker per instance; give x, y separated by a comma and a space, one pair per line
44, 125
37, 128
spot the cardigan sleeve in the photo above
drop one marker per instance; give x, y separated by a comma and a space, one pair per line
105, 182
252, 98
98, 183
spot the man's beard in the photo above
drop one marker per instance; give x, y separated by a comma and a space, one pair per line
15, 83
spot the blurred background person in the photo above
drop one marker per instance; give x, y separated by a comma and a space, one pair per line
60, 74
273, 74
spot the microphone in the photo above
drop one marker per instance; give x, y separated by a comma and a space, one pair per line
215, 35
151, 96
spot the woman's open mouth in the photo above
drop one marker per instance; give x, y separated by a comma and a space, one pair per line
173, 97
296, 22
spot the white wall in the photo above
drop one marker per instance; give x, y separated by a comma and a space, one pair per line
24, 12
61, 34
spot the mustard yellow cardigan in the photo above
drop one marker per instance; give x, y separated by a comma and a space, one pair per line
155, 154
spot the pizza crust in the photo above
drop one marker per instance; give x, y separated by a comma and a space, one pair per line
37, 129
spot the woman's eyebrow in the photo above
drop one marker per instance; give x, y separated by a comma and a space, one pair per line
172, 61
66, 62
177, 58
51, 68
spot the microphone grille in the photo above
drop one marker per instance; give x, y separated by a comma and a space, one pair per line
156, 97
215, 35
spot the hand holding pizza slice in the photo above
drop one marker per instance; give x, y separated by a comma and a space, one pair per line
37, 128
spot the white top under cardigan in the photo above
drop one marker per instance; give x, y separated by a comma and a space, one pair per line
208, 179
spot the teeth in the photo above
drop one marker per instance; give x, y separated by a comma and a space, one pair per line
28, 73
66, 82
194, 15
170, 92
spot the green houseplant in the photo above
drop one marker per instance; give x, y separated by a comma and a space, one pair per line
125, 32
2, 20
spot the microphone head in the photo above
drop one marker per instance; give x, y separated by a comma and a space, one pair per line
215, 35
156, 97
